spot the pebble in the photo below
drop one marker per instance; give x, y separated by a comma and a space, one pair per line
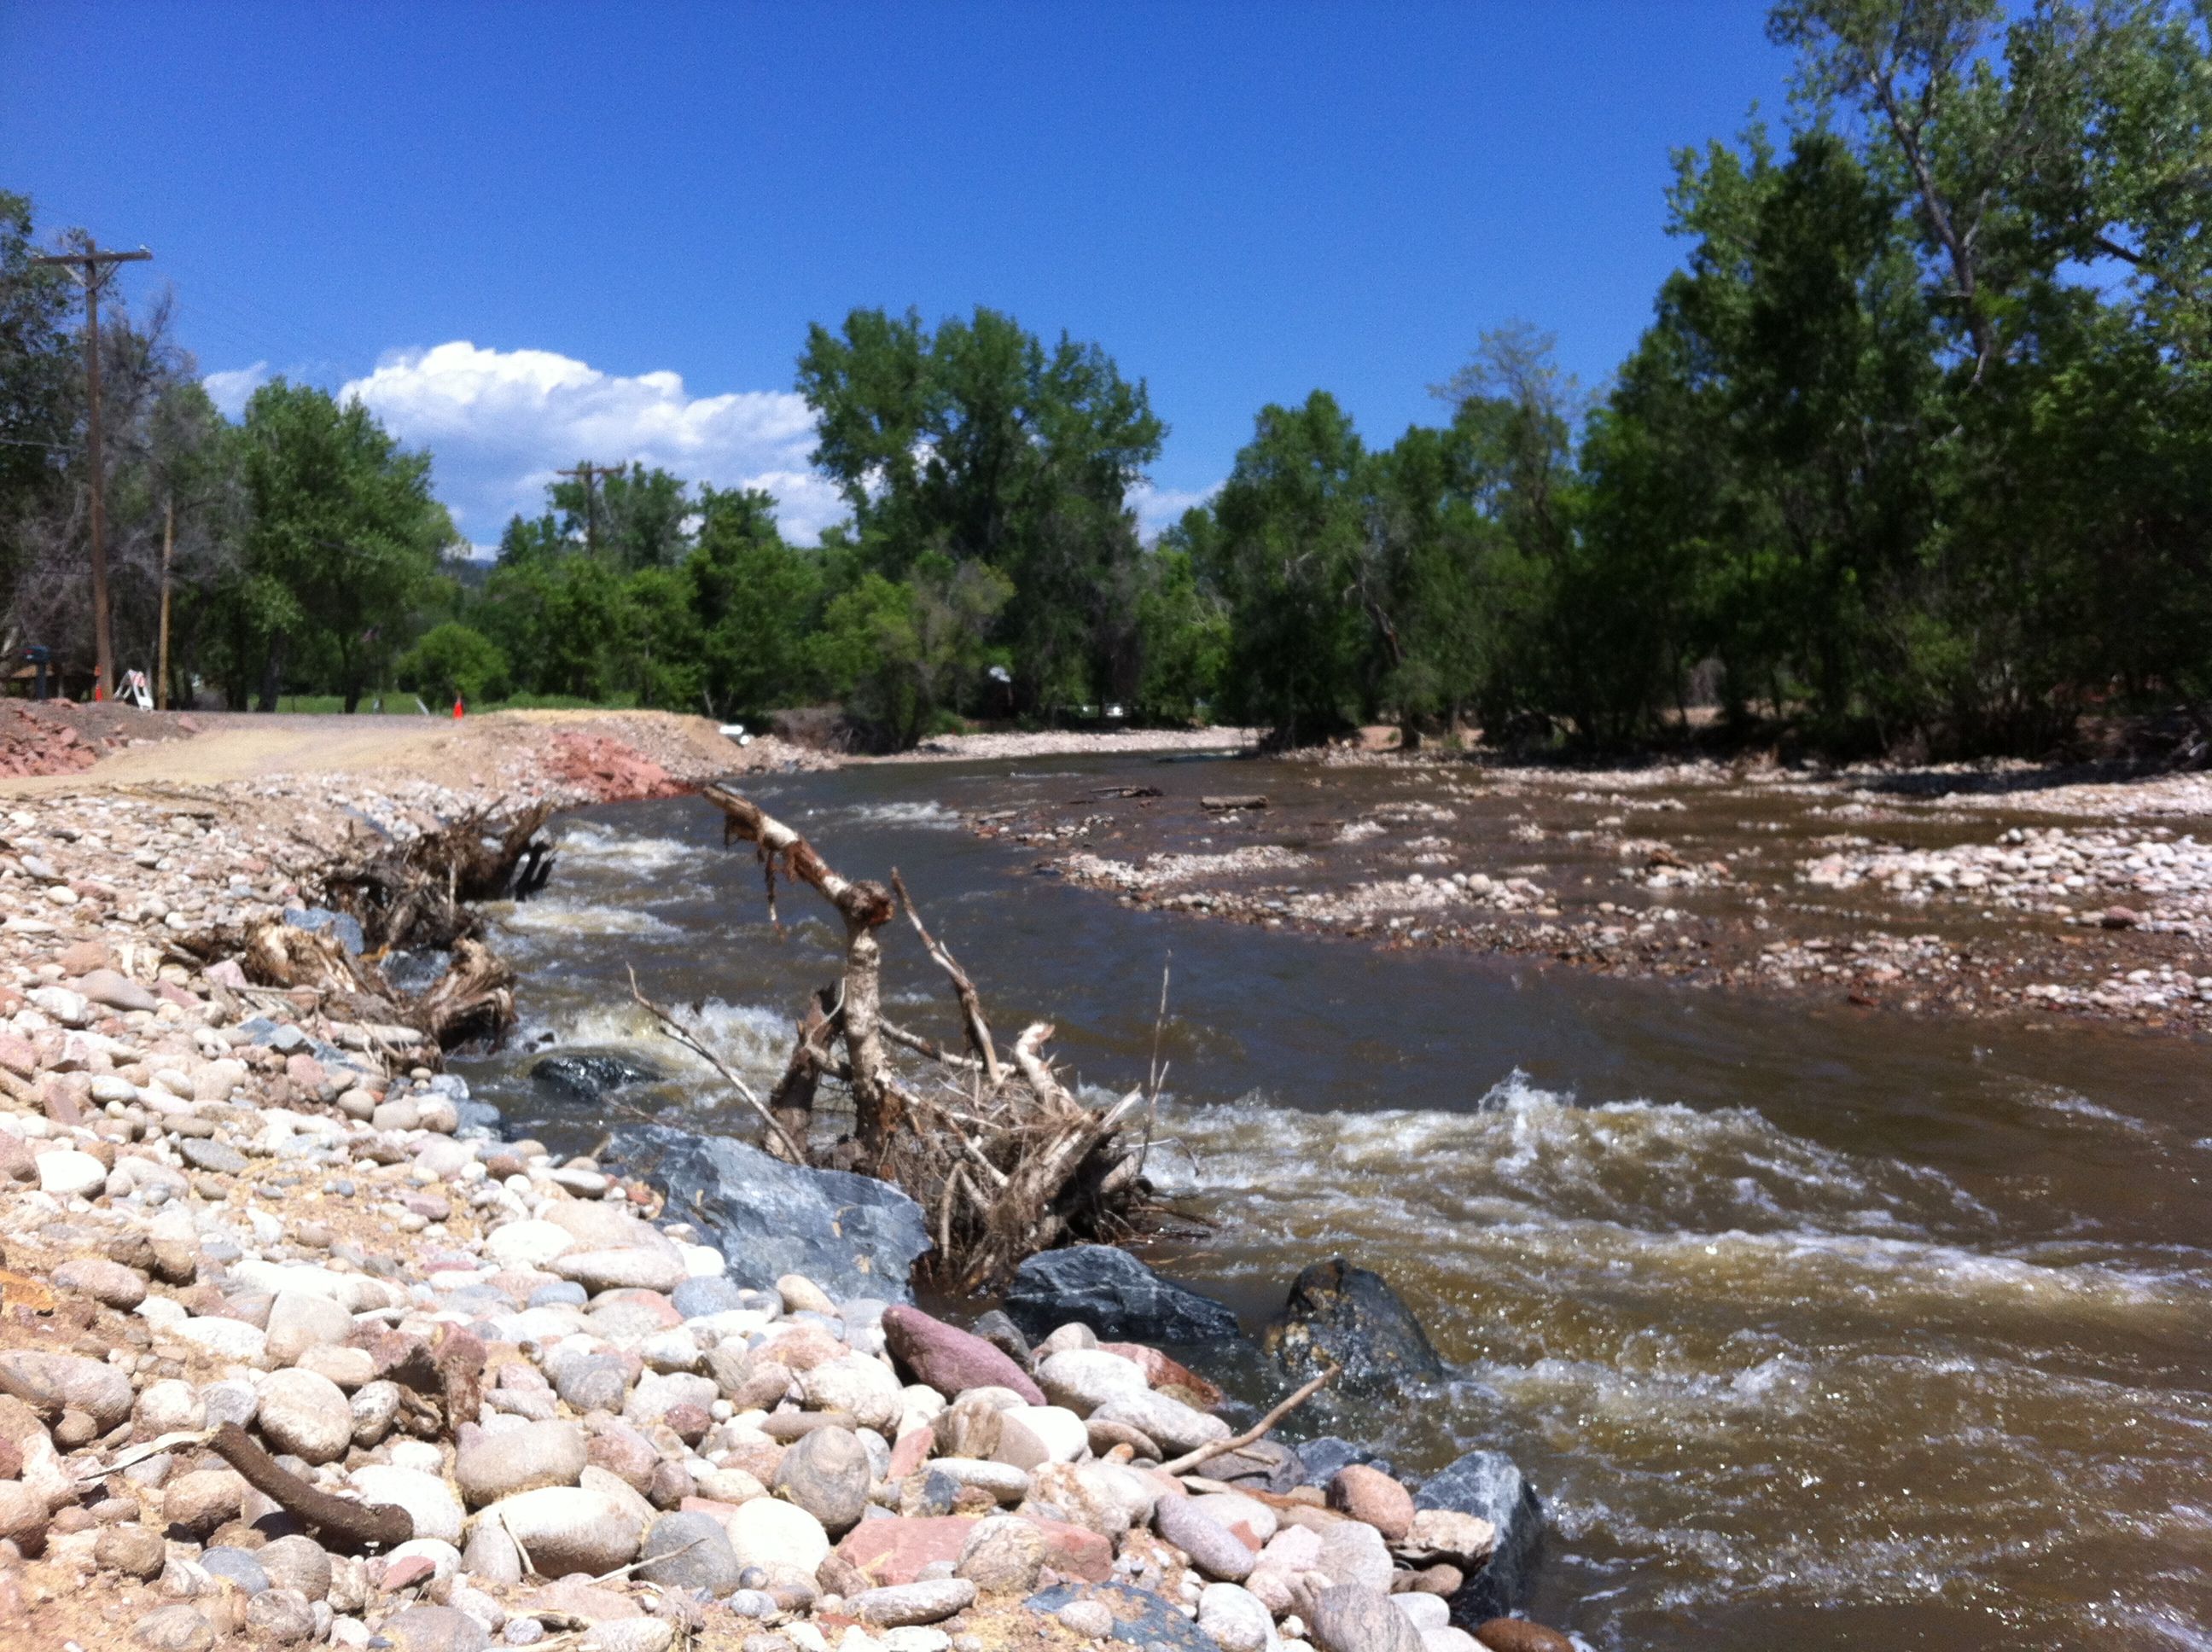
495, 1466
1212, 1548
927, 1602
305, 1414
565, 1528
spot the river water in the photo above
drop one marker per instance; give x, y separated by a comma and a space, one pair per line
1814, 1328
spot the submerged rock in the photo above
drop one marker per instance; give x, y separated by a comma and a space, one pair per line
587, 1075
1488, 1485
1116, 1295
1339, 1315
851, 1235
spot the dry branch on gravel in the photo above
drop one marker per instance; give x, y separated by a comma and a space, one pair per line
991, 1144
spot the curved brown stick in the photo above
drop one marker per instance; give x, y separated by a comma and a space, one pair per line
971, 1005
341, 1520
1191, 1460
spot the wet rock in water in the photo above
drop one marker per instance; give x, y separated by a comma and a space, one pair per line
850, 1235
1116, 1295
1488, 1485
1519, 1635
950, 1360
1140, 1617
587, 1075
1338, 1314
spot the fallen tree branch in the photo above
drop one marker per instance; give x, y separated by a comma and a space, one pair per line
971, 1005
1205, 1453
343, 1522
671, 1027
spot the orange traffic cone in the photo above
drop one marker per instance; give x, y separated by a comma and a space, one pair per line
457, 708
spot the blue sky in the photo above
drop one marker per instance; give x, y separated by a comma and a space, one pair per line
534, 233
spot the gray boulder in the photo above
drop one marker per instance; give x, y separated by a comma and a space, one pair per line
1116, 1295
851, 1235
1487, 1485
1338, 1314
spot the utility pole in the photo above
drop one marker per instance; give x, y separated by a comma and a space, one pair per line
89, 268
590, 475
168, 547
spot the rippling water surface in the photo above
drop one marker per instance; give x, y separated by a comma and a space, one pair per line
1824, 1329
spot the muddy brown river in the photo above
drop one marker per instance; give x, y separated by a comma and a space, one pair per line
1812, 1326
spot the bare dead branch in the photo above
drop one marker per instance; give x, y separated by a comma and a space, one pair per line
1191, 1460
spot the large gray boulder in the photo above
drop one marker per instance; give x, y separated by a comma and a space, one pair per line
851, 1235
1116, 1295
1488, 1484
1346, 1316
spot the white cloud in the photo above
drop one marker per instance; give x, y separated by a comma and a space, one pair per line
500, 423
230, 391
1158, 508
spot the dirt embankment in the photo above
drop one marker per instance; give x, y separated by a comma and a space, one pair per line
2001, 889
569, 757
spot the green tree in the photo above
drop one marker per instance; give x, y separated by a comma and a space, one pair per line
1291, 536
977, 443
344, 535
903, 653
453, 659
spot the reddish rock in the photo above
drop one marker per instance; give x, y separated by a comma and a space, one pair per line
1166, 1376
803, 1348
895, 1550
910, 1452
17, 1055
609, 770
1519, 1635
17, 1162
407, 1570
950, 1360
1370, 1495
82, 957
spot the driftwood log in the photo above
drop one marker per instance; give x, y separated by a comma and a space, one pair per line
343, 1523
415, 896
990, 1142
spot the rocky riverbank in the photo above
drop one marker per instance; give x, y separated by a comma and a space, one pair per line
295, 1348
2001, 891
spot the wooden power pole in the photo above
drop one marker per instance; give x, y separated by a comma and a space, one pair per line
90, 269
168, 549
590, 475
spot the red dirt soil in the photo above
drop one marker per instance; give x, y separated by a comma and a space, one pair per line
609, 769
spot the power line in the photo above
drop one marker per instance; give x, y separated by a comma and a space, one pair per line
90, 267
